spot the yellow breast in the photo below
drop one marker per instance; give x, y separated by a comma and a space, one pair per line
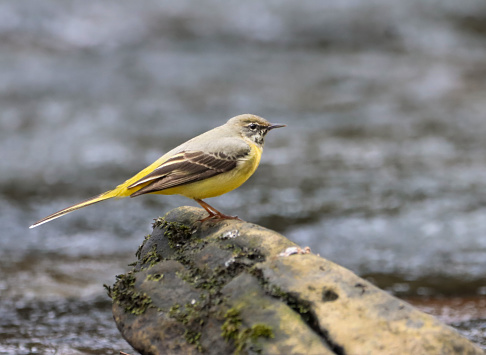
222, 183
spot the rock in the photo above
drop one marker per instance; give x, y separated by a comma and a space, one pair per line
223, 287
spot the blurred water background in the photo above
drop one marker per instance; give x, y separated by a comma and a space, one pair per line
382, 167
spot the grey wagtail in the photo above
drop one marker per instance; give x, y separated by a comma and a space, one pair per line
208, 165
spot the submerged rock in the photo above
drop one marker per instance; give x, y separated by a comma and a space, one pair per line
222, 287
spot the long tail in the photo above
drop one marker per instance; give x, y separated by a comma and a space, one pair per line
104, 196
122, 190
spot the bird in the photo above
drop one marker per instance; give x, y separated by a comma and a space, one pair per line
209, 165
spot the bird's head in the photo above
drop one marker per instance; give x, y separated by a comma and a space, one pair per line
252, 127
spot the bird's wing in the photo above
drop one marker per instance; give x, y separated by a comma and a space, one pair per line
186, 167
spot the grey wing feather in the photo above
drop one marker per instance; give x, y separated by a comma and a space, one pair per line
187, 167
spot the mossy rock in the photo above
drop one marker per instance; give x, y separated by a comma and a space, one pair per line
232, 287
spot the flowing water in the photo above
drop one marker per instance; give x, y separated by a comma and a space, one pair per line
381, 168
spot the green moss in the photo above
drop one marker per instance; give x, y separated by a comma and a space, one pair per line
177, 233
194, 338
151, 258
231, 325
159, 222
276, 291
260, 330
191, 315
172, 229
243, 337
252, 254
108, 290
208, 280
174, 311
124, 294
215, 281
234, 248
138, 253
293, 300
155, 277
300, 306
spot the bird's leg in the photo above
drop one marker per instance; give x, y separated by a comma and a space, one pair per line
213, 212
207, 208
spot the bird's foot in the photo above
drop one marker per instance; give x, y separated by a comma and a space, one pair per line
218, 216
225, 216
213, 212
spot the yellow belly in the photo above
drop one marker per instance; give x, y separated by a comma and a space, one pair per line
219, 184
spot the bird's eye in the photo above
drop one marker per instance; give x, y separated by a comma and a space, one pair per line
252, 126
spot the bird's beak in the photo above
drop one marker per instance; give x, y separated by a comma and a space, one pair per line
276, 125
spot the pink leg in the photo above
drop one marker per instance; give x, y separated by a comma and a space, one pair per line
213, 212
